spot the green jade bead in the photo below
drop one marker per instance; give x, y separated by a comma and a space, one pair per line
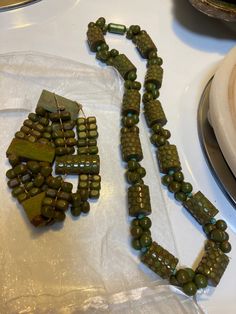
190, 288
183, 276
200, 281
145, 223
136, 232
116, 28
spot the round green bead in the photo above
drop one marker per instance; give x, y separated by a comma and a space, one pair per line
145, 240
156, 128
136, 244
136, 85
182, 276
141, 172
152, 54
200, 281
155, 93
186, 187
180, 196
135, 29
132, 76
190, 288
167, 179
207, 228
100, 22
190, 272
225, 247
150, 87
128, 121
133, 165
129, 34
160, 141
135, 222
114, 53
174, 187
178, 176
145, 223
136, 232
147, 97
128, 84
221, 224
217, 235
132, 177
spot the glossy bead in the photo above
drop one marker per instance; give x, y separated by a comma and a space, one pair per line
156, 128
114, 53
135, 222
132, 165
100, 21
136, 232
62, 204
221, 224
167, 179
145, 240
174, 187
190, 272
182, 276
132, 177
152, 54
147, 97
207, 228
200, 281
186, 187
59, 216
136, 244
132, 76
141, 172
180, 196
217, 235
190, 288
136, 85
225, 247
145, 223
178, 176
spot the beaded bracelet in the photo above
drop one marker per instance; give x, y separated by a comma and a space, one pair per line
47, 136
214, 261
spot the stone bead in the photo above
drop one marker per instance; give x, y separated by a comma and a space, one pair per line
131, 102
123, 65
95, 37
144, 44
139, 200
154, 113
200, 208
77, 164
116, 28
131, 146
168, 158
213, 265
154, 75
160, 260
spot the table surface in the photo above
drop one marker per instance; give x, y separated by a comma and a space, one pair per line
190, 44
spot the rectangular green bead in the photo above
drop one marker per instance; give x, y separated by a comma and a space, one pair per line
162, 262
168, 158
47, 101
28, 150
201, 208
213, 265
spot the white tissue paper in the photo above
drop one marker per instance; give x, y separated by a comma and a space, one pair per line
87, 264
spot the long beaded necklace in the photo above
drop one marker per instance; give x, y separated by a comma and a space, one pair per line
214, 261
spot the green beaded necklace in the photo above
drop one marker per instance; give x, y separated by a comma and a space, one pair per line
162, 262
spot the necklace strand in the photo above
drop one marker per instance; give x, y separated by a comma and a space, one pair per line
214, 261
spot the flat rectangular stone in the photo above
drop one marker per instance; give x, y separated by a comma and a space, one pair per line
47, 101
28, 150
